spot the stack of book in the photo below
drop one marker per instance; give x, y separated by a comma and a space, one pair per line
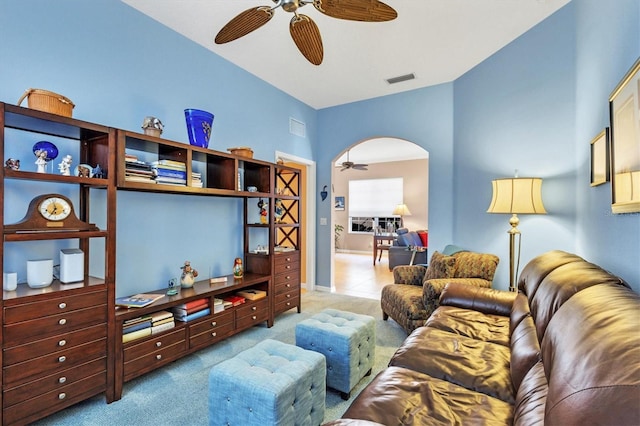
191, 310
235, 300
196, 179
218, 305
136, 328
170, 172
136, 170
161, 321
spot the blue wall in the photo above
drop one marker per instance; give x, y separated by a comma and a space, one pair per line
533, 106
119, 66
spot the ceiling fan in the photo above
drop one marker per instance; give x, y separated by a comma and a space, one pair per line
351, 165
303, 30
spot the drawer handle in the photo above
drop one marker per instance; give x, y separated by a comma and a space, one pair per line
288, 277
158, 357
158, 344
62, 305
288, 303
62, 358
253, 308
288, 296
214, 334
288, 259
214, 323
62, 395
254, 317
62, 321
62, 342
288, 285
288, 266
62, 380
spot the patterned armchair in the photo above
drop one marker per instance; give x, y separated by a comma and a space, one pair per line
416, 289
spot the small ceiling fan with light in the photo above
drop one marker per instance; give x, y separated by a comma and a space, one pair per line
351, 165
303, 30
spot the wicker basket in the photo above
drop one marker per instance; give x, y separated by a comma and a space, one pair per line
241, 151
44, 100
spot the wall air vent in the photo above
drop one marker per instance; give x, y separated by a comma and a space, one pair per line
401, 78
297, 127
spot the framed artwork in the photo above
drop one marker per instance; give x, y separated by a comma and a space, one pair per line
600, 158
339, 205
624, 110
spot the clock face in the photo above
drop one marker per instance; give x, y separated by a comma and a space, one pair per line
54, 208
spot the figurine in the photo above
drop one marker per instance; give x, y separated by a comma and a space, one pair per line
84, 171
238, 272
188, 275
98, 172
278, 210
13, 164
41, 160
152, 126
262, 205
65, 165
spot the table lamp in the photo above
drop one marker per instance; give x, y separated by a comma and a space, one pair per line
516, 196
401, 210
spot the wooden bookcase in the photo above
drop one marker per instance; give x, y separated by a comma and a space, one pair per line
57, 342
63, 343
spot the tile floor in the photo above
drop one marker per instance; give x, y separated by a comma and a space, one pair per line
355, 274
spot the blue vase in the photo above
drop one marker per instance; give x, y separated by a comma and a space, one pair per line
199, 125
48, 147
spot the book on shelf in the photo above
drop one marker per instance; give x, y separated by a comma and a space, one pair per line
170, 180
169, 163
193, 316
192, 303
235, 300
183, 312
252, 294
163, 327
136, 335
138, 300
130, 328
179, 174
160, 316
218, 305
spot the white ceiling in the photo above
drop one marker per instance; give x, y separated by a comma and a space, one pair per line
437, 40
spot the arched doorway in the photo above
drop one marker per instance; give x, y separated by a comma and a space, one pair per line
387, 158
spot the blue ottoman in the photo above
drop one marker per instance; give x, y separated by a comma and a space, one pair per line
272, 383
348, 341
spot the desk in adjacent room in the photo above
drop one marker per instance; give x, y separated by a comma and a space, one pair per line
379, 243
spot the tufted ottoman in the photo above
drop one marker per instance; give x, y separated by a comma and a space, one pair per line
348, 341
272, 383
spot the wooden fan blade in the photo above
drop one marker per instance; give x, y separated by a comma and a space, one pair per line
357, 10
307, 37
246, 22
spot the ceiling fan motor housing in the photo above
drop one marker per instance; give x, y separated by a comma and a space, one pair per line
290, 5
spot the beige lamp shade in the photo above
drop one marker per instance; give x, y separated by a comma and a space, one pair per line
517, 195
402, 210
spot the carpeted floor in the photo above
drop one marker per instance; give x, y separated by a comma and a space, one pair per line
177, 393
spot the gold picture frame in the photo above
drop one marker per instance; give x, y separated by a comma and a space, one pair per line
624, 111
600, 171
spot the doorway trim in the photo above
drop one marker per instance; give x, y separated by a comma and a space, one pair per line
310, 226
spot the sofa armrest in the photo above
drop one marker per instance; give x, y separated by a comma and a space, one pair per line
431, 289
406, 274
485, 300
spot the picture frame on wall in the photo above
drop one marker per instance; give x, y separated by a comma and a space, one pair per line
624, 111
339, 204
600, 171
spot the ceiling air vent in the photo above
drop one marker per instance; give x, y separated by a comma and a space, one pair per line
401, 78
297, 127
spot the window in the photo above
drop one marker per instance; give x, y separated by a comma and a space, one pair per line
371, 202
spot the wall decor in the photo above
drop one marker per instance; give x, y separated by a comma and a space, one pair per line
339, 205
600, 158
624, 110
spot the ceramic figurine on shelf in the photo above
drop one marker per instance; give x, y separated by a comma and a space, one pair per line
12, 164
278, 210
238, 271
264, 211
41, 160
188, 275
152, 126
65, 165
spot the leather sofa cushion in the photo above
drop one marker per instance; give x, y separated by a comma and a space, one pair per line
519, 310
473, 364
525, 350
398, 396
485, 300
531, 398
440, 266
592, 358
487, 327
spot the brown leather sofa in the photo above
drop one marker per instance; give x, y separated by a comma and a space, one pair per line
565, 350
